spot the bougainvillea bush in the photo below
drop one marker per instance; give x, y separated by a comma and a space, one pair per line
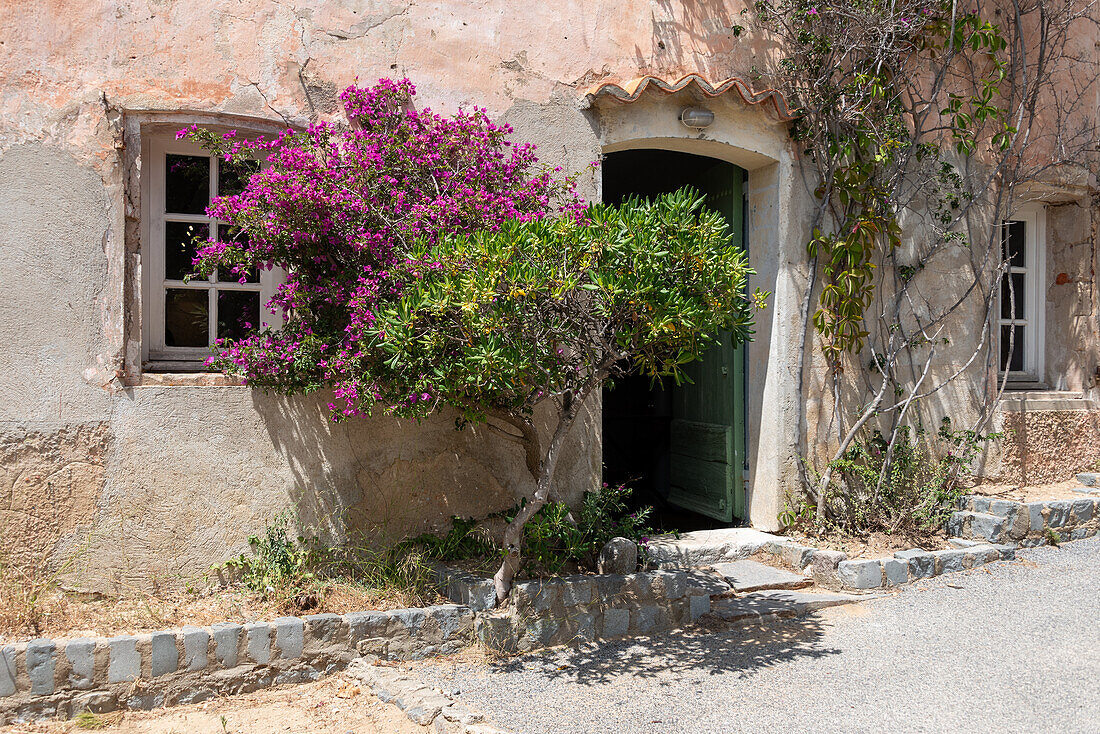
431, 264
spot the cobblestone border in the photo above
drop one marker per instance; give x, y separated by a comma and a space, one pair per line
423, 705
1027, 524
60, 678
583, 608
834, 570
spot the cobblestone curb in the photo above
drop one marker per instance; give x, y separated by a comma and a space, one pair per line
425, 706
583, 608
61, 678
1025, 523
833, 569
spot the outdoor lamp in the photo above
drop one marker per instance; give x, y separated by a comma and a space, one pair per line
696, 117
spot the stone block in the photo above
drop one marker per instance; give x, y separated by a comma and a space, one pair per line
616, 622
258, 642
963, 542
495, 632
644, 619
575, 592
7, 671
97, 702
860, 574
289, 637
956, 524
698, 606
539, 596
1007, 552
124, 660
798, 556
196, 647
1081, 533
365, 625
323, 630
988, 527
227, 639
1004, 508
979, 555
80, 653
746, 576
542, 631
705, 583
410, 619
670, 584
164, 656
609, 587
1058, 513
950, 561
1089, 479
824, 565
1081, 511
922, 564
39, 657
979, 503
896, 570
619, 555
1035, 516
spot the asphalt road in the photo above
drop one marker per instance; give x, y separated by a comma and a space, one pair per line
1014, 649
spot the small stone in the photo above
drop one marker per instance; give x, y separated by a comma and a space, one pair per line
616, 622
164, 656
124, 662
619, 555
896, 570
1058, 515
824, 565
1081, 511
289, 637
860, 574
644, 619
922, 564
226, 640
7, 671
196, 645
1035, 514
798, 556
81, 656
1089, 479
698, 606
950, 561
746, 576
40, 664
258, 642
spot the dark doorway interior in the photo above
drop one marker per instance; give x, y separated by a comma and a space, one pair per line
644, 424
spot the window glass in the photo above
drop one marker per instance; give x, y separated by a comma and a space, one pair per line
1014, 242
186, 184
1012, 348
238, 313
180, 243
186, 317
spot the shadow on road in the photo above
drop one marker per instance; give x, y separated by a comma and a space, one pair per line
715, 647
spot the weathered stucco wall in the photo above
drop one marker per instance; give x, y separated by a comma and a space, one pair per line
142, 482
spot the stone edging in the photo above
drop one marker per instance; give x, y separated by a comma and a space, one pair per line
424, 706
583, 608
1025, 523
60, 678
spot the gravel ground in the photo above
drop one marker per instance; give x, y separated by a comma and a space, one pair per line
1014, 646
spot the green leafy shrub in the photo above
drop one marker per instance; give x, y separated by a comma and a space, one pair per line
278, 561
916, 492
555, 538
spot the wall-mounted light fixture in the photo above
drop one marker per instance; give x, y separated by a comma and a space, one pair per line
696, 117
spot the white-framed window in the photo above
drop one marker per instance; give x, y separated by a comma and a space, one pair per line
183, 317
1021, 311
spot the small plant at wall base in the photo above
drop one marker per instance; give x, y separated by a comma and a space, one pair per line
434, 265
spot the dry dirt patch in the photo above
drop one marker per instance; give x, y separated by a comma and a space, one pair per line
336, 705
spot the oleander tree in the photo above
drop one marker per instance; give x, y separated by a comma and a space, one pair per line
431, 265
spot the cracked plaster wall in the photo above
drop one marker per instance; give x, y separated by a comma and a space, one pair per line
139, 484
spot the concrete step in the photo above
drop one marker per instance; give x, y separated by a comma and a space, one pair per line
707, 547
748, 576
778, 603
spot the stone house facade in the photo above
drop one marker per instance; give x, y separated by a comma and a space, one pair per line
119, 458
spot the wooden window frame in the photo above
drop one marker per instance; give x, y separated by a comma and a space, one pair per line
155, 353
1034, 318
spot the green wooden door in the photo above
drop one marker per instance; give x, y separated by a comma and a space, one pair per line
708, 421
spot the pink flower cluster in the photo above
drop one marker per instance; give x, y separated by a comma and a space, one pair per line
340, 208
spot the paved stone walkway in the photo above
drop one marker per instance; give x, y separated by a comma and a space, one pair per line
1013, 646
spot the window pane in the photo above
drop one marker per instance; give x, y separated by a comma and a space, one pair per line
180, 239
234, 175
186, 317
1014, 243
238, 313
187, 184
1012, 303
1012, 354
226, 233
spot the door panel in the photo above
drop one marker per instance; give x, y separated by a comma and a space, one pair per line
707, 429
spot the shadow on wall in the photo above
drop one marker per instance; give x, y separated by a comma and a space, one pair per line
694, 36
381, 479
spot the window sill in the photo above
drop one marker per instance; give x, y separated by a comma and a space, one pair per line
1041, 401
190, 378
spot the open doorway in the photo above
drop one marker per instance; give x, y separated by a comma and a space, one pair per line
682, 448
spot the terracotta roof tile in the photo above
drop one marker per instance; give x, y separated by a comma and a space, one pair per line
631, 90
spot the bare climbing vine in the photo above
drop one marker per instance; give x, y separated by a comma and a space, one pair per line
922, 121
